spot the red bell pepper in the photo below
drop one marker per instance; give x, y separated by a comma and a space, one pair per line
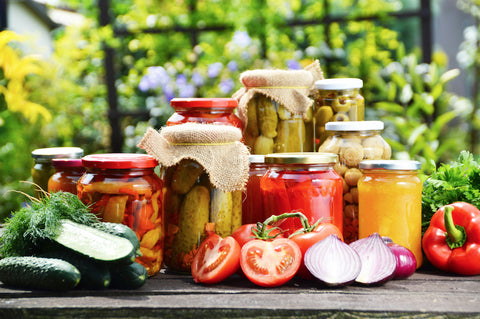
452, 241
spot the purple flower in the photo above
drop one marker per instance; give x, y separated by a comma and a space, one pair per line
294, 65
226, 86
169, 93
181, 80
187, 90
197, 79
155, 77
214, 69
242, 39
232, 66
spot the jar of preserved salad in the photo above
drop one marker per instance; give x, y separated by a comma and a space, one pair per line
205, 110
390, 202
67, 173
354, 142
124, 188
42, 169
304, 182
337, 100
252, 201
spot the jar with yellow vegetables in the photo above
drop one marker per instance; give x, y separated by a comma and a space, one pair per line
336, 100
124, 188
354, 142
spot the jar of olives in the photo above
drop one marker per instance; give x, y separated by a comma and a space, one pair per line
337, 100
354, 142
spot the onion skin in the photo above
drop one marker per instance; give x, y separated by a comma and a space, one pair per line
333, 262
406, 261
378, 261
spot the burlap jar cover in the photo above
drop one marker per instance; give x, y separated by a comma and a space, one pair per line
286, 125
205, 171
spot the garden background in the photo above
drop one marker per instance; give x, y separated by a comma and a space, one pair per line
153, 50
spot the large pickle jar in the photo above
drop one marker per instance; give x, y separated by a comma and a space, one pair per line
252, 201
124, 188
304, 182
42, 169
337, 100
354, 142
67, 173
205, 110
390, 202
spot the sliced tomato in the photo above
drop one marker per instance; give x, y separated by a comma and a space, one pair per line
217, 259
244, 234
270, 263
306, 240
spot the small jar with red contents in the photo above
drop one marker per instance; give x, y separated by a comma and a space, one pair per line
67, 173
205, 110
252, 202
124, 188
306, 183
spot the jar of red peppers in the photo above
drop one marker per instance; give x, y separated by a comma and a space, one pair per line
252, 201
205, 110
124, 188
354, 142
304, 182
67, 173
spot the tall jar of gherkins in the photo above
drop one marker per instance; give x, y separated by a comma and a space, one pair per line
204, 170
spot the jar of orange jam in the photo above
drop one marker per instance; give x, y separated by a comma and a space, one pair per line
390, 202
67, 173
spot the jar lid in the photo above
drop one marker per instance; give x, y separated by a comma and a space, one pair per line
400, 165
354, 126
256, 159
301, 158
67, 162
339, 84
119, 161
204, 102
47, 154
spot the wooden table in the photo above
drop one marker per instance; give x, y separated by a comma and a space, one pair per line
426, 294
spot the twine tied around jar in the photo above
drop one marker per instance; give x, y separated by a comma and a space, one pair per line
216, 147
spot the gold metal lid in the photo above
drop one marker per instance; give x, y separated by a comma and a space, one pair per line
301, 158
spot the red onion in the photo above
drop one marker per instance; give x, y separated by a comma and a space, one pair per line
406, 261
332, 261
378, 261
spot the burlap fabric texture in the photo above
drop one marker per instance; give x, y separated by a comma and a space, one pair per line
290, 88
216, 147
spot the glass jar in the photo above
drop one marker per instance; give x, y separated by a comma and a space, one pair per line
390, 202
252, 201
124, 188
192, 202
337, 100
304, 182
205, 110
272, 128
42, 169
354, 142
67, 173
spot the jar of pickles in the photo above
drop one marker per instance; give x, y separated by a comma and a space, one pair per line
43, 169
252, 201
337, 100
124, 188
67, 173
390, 202
304, 182
205, 110
354, 142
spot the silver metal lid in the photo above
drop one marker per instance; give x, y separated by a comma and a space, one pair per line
256, 158
47, 154
355, 126
400, 165
339, 84
301, 158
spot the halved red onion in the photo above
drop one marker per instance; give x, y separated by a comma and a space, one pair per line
406, 261
332, 261
378, 261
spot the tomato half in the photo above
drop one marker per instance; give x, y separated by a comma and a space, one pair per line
270, 263
306, 240
244, 234
217, 259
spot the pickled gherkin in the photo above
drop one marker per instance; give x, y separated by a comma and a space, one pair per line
291, 136
252, 123
221, 212
185, 175
236, 210
263, 145
266, 116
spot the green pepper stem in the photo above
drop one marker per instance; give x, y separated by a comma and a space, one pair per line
455, 234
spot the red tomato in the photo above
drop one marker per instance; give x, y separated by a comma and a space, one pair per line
244, 234
306, 240
217, 259
270, 263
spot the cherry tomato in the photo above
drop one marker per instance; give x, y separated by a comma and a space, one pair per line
217, 259
270, 263
306, 240
244, 234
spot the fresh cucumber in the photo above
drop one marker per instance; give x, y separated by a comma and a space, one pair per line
38, 273
95, 275
94, 243
131, 276
119, 230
